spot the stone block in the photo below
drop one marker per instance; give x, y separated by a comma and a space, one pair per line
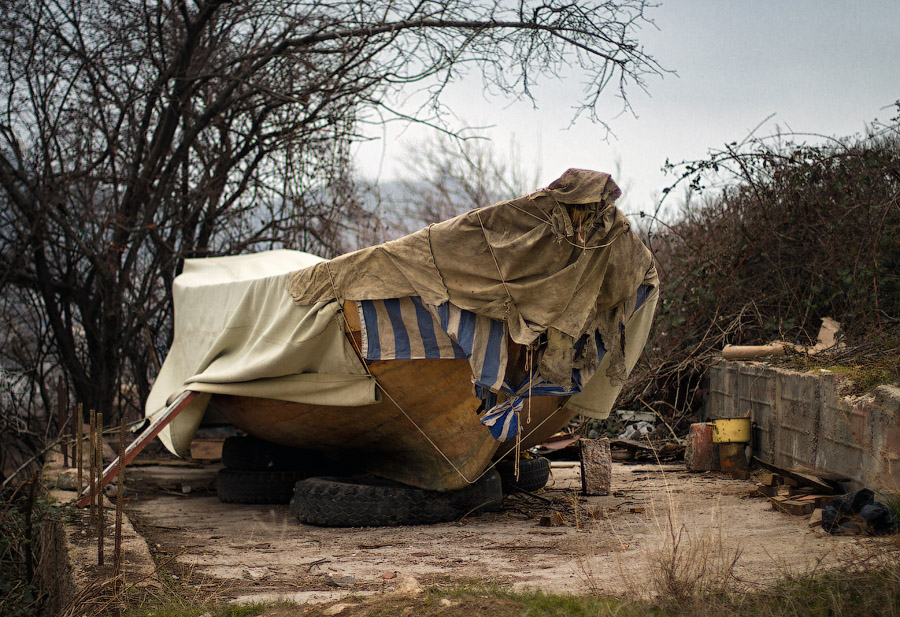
596, 466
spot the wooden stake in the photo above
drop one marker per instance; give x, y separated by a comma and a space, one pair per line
98, 470
120, 498
92, 460
79, 446
62, 405
180, 403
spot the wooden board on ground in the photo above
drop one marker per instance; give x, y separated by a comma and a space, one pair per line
801, 477
792, 506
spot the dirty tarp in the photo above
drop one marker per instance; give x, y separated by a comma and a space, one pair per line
238, 332
561, 261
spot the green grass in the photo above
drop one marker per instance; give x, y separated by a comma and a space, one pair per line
870, 589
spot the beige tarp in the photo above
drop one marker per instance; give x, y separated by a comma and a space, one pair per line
562, 260
238, 332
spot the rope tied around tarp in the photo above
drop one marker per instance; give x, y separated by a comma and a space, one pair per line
388, 394
520, 434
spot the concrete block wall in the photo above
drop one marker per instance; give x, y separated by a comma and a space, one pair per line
801, 420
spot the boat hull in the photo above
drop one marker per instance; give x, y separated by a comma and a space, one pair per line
424, 431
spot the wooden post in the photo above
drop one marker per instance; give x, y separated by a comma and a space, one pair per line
62, 408
79, 446
120, 499
99, 473
92, 460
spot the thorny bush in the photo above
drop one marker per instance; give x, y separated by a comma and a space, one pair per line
772, 236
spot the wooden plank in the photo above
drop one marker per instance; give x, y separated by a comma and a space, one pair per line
207, 449
630, 444
818, 500
768, 491
768, 479
815, 519
135, 448
792, 506
798, 476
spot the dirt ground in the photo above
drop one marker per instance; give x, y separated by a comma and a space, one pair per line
612, 544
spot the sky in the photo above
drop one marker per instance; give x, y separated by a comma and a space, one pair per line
826, 67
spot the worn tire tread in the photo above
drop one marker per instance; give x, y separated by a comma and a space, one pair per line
534, 473
256, 487
343, 502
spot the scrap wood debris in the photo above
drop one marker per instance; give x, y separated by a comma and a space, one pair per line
828, 338
821, 496
798, 491
656, 450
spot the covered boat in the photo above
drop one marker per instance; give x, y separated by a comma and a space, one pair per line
422, 359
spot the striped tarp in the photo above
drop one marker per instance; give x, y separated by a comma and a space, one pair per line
502, 419
408, 329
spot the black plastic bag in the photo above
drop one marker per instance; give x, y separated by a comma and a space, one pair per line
858, 513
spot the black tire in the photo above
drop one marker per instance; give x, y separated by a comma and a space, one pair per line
533, 474
244, 486
249, 453
346, 502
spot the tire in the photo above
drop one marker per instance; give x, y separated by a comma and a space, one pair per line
254, 454
533, 474
261, 487
346, 502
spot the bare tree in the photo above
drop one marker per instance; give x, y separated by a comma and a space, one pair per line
449, 175
136, 133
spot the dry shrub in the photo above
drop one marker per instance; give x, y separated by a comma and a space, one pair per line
690, 566
773, 236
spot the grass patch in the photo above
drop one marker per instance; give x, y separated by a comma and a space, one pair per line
471, 600
863, 367
866, 378
872, 592
892, 501
178, 608
870, 587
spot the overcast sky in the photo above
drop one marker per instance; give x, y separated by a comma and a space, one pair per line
819, 66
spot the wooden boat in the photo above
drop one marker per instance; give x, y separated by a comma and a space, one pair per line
556, 280
424, 432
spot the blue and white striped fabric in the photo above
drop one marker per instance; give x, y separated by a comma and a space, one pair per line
503, 420
408, 329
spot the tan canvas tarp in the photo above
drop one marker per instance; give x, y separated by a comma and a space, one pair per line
562, 260
238, 332
558, 264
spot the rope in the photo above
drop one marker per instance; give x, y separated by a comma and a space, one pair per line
519, 433
385, 392
511, 303
494, 256
546, 221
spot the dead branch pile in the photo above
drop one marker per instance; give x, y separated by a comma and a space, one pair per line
772, 236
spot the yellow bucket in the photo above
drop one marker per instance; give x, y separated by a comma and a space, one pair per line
731, 430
